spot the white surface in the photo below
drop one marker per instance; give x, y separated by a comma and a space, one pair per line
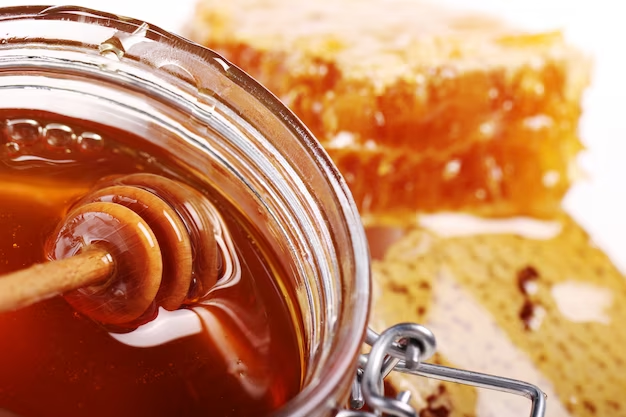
582, 302
598, 26
459, 224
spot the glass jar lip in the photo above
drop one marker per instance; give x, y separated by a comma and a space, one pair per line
348, 340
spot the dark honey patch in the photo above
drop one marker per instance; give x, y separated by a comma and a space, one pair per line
440, 411
614, 405
390, 390
589, 406
436, 404
527, 313
524, 277
424, 285
398, 288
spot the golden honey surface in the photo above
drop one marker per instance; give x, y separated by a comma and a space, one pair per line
241, 356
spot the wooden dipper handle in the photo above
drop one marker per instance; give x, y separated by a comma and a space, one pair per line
133, 216
39, 282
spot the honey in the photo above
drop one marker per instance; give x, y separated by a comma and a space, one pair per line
422, 109
243, 358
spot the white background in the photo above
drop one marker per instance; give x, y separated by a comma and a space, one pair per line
597, 26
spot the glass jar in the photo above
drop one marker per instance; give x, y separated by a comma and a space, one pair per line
216, 122
222, 126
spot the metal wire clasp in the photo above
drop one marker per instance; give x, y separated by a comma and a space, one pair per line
403, 348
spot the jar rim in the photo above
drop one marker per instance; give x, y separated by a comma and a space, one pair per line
347, 341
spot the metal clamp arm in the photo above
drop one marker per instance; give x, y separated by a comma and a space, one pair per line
403, 348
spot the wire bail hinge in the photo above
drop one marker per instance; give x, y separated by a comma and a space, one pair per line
404, 348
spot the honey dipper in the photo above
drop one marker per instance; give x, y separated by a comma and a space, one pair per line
134, 241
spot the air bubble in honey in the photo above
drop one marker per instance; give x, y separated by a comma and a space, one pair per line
90, 142
58, 136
